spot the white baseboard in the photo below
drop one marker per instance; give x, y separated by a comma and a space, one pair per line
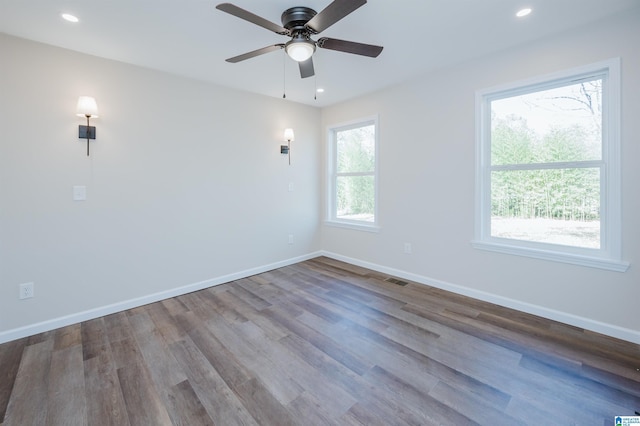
29, 330
566, 318
577, 321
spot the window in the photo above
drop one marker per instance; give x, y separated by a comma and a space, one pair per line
352, 199
548, 168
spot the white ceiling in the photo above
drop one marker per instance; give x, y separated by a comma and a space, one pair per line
193, 39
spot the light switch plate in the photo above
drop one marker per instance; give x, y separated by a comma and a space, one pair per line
79, 193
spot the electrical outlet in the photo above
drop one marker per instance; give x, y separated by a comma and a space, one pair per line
290, 238
407, 248
26, 290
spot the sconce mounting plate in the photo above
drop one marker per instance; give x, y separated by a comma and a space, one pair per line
87, 132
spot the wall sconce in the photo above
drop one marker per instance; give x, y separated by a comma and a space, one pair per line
289, 137
87, 107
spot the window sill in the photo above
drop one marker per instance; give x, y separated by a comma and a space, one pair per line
353, 225
575, 259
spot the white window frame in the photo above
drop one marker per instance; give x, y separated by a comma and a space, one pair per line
609, 255
332, 175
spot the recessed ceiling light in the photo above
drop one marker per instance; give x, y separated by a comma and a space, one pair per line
69, 17
523, 12
320, 90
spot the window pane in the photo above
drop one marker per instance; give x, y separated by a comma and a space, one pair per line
549, 206
356, 149
555, 125
355, 198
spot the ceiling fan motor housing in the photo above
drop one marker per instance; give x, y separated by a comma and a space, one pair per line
294, 19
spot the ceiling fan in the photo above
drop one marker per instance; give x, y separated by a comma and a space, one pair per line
300, 23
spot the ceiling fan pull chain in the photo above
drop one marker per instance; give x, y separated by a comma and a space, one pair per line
284, 75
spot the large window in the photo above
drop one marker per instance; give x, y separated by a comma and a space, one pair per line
352, 199
549, 168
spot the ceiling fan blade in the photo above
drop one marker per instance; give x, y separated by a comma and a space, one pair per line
254, 19
350, 47
333, 13
306, 68
255, 53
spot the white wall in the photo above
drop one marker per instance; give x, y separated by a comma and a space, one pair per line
427, 185
185, 184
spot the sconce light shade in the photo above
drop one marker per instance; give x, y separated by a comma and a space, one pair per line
87, 107
288, 135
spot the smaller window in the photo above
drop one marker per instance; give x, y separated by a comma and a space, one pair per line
352, 195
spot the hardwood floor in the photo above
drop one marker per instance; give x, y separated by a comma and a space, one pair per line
318, 343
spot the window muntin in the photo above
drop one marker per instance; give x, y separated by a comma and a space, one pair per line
548, 168
353, 159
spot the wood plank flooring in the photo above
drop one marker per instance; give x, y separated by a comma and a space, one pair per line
318, 343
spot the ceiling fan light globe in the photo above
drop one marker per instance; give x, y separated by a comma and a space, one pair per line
300, 51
